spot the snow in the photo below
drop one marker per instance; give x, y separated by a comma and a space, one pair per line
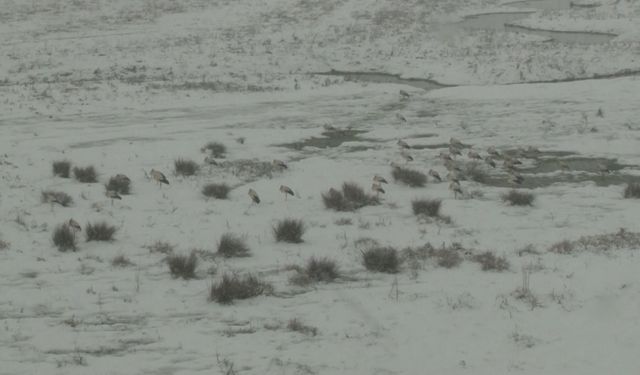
128, 86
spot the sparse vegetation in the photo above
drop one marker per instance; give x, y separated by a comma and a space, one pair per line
184, 167
160, 247
445, 256
343, 221
119, 184
233, 287
518, 198
632, 190
409, 177
231, 245
64, 238
296, 325
289, 230
61, 168
426, 207
217, 149
183, 266
490, 262
121, 261
218, 191
381, 259
86, 174
61, 198
599, 243
99, 232
352, 197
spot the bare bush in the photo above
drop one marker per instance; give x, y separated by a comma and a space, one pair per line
289, 230
352, 197
381, 259
218, 191
233, 287
61, 198
183, 266
185, 167
216, 149
64, 238
445, 256
61, 168
426, 207
316, 270
99, 232
86, 174
409, 177
518, 198
120, 184
490, 262
231, 245
632, 190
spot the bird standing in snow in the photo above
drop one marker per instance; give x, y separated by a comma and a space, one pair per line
286, 191
435, 175
279, 164
404, 95
254, 196
377, 188
403, 144
455, 188
379, 179
159, 177
112, 194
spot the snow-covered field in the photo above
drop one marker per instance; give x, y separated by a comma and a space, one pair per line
130, 86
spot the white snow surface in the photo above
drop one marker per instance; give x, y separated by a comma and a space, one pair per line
127, 86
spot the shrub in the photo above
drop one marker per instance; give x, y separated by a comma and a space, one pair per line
296, 325
217, 150
64, 238
120, 184
562, 247
99, 232
426, 207
289, 230
409, 177
232, 246
185, 167
86, 174
333, 199
351, 198
518, 198
235, 287
218, 191
63, 199
355, 194
490, 262
323, 269
183, 266
121, 261
632, 190
61, 168
381, 259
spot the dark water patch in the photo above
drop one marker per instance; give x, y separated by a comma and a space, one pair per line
329, 139
426, 113
376, 77
492, 21
542, 4
540, 181
576, 37
422, 135
110, 141
576, 164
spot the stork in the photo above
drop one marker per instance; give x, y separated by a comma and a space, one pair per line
283, 189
